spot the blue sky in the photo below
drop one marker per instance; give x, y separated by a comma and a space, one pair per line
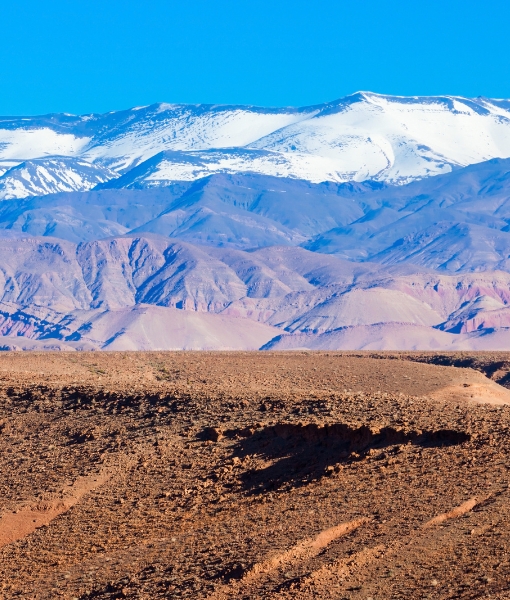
84, 56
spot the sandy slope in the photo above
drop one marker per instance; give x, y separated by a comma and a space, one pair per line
145, 327
393, 336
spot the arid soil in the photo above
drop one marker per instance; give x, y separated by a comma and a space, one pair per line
254, 475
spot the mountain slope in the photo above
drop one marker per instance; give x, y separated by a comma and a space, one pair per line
397, 139
144, 327
85, 216
237, 210
122, 139
454, 222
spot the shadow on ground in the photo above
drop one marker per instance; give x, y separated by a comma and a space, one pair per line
303, 453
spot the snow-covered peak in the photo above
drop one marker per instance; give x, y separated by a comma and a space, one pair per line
369, 136
47, 176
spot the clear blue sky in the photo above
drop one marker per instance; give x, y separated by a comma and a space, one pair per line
83, 56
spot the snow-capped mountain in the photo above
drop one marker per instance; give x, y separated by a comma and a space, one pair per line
360, 137
370, 222
42, 176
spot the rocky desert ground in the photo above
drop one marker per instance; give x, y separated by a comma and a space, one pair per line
298, 475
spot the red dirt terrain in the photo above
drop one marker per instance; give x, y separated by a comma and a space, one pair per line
254, 475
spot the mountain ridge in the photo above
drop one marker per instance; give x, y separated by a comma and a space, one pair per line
94, 293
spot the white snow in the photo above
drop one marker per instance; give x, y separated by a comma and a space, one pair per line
414, 139
184, 130
24, 144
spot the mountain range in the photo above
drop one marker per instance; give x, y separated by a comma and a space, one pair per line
360, 137
369, 222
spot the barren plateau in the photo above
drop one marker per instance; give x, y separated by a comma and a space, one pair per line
354, 475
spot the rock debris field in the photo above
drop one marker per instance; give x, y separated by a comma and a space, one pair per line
254, 475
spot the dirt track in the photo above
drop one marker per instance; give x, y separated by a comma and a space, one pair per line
300, 475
